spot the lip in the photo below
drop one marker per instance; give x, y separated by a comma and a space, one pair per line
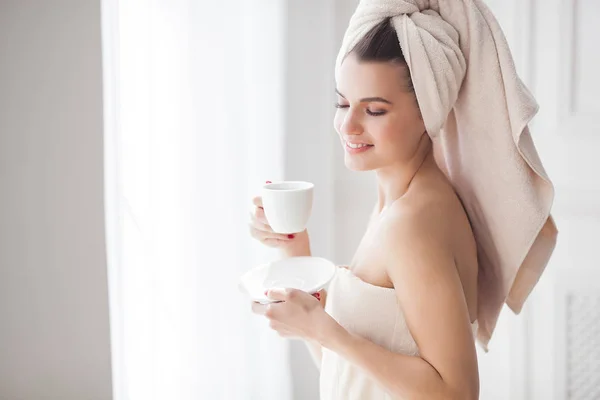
346, 141
351, 150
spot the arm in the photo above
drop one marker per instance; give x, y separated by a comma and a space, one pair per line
422, 269
299, 247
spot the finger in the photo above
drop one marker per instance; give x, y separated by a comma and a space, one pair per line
276, 242
284, 333
282, 294
257, 201
322, 296
277, 325
259, 214
263, 235
258, 308
274, 311
261, 224
269, 231
281, 328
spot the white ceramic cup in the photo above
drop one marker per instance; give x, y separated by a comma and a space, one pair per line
288, 205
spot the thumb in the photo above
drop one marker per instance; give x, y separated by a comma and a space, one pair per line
277, 294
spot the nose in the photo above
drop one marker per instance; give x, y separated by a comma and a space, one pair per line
351, 124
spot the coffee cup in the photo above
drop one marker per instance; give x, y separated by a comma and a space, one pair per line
288, 205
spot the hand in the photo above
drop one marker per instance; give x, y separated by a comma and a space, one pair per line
296, 244
298, 315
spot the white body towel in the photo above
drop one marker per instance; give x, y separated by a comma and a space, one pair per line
369, 311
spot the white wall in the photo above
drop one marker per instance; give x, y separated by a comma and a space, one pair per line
54, 330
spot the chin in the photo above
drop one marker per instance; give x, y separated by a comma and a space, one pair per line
357, 165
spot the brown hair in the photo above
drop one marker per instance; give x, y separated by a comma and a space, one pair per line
381, 44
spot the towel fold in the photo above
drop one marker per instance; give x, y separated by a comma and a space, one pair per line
476, 110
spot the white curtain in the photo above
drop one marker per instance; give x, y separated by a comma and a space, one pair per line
193, 123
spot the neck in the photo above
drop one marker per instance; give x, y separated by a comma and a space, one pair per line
394, 181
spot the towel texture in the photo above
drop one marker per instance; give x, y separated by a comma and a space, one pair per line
373, 313
476, 110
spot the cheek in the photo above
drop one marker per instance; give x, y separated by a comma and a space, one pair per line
338, 119
391, 138
385, 132
399, 138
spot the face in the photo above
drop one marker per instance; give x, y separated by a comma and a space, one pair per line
377, 119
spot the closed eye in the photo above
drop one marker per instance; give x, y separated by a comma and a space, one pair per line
375, 113
372, 113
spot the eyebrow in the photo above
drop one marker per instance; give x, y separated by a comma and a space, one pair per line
368, 99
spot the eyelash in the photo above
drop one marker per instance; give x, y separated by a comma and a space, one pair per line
374, 114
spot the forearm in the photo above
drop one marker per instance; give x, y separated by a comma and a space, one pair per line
409, 377
301, 248
315, 348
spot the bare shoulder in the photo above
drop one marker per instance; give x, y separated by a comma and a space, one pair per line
422, 236
433, 215
427, 237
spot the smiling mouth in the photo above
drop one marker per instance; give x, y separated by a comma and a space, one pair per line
358, 145
356, 148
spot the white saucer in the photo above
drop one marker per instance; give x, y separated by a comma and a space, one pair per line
309, 274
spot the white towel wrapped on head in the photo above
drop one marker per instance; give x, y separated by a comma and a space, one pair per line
477, 111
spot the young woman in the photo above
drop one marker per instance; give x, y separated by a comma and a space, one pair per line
400, 321
418, 251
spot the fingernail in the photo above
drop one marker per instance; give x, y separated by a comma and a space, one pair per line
269, 182
317, 296
291, 236
266, 292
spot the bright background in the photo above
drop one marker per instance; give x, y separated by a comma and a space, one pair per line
132, 137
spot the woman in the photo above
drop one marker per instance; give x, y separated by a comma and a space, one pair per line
399, 322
